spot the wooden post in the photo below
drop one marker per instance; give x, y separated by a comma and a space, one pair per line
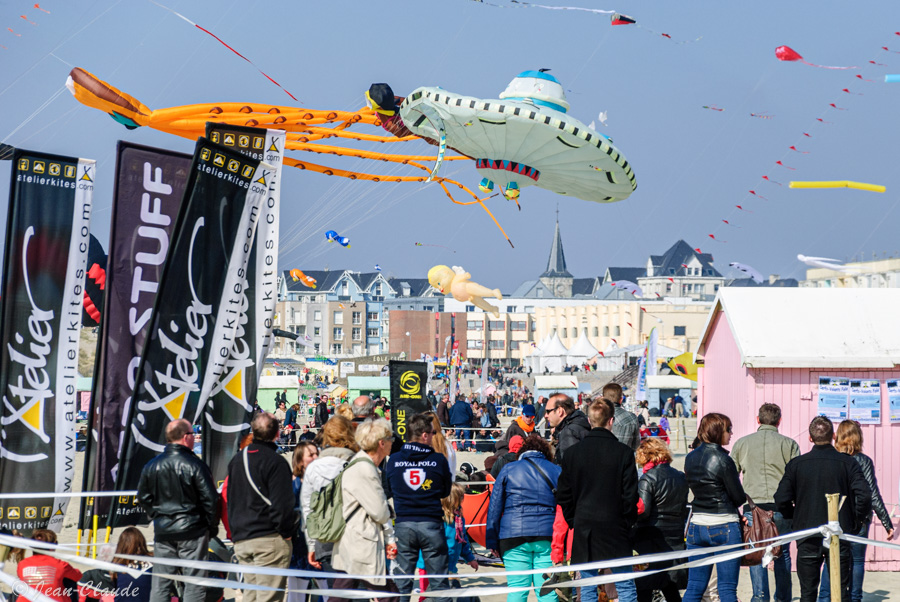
834, 548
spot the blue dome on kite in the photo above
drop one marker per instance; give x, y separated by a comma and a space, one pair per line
539, 88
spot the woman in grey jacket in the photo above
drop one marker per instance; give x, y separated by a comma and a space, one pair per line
849, 440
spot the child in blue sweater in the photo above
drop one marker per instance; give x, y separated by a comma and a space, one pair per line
455, 532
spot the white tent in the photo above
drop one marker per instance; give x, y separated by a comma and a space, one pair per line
581, 351
553, 356
533, 361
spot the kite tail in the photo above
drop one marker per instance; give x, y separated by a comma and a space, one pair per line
826, 66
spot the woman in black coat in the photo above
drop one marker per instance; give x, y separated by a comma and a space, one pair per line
715, 520
662, 514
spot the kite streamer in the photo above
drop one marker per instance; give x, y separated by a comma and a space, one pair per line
223, 43
839, 184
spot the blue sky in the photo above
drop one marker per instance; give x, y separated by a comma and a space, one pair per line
693, 165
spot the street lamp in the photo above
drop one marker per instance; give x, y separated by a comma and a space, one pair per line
409, 355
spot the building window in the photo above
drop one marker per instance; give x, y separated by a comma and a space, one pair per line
372, 332
518, 325
496, 344
529, 309
316, 348
470, 308
595, 331
345, 288
475, 344
474, 325
317, 316
428, 307
514, 345
357, 317
606, 331
716, 288
562, 333
356, 334
669, 287
618, 331
316, 331
337, 334
680, 331
337, 349
378, 289
338, 317
496, 325
372, 316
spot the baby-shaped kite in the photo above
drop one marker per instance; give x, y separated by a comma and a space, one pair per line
458, 283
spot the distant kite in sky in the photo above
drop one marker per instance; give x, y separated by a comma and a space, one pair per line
834, 106
794, 148
742, 208
763, 115
750, 271
839, 184
629, 287
713, 108
38, 6
377, 268
785, 166
425, 244
858, 76
825, 262
786, 53
332, 236
727, 223
713, 236
299, 276
768, 179
753, 192
620, 19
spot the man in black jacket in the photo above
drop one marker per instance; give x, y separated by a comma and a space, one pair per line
801, 496
261, 509
597, 491
176, 490
569, 425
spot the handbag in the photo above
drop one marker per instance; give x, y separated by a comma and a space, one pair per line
762, 527
543, 474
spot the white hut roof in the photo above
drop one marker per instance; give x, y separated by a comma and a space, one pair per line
583, 347
811, 327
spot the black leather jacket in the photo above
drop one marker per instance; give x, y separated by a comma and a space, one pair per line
868, 469
713, 479
176, 490
664, 492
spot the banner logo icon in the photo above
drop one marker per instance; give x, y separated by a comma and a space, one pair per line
410, 383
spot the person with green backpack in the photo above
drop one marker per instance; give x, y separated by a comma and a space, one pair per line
337, 449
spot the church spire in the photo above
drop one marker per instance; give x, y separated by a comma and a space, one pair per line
556, 264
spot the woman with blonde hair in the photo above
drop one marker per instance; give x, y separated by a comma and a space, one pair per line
662, 514
338, 445
440, 444
849, 440
344, 410
368, 538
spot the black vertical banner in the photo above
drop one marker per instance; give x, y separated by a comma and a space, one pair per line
230, 407
47, 238
149, 186
197, 307
407, 394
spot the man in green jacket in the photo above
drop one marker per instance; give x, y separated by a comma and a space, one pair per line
761, 458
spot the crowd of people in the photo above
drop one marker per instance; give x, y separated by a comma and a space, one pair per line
355, 500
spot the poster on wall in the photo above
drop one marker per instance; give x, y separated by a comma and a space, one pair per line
865, 401
893, 391
834, 394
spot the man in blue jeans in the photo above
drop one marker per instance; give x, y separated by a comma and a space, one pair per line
597, 491
417, 478
761, 458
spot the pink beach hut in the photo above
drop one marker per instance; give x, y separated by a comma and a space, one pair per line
769, 345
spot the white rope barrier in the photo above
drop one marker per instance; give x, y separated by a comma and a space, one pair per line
71, 494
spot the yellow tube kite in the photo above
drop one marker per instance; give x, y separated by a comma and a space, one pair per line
305, 130
839, 184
